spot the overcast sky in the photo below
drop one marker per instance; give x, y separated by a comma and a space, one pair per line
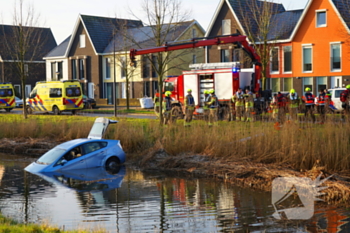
62, 15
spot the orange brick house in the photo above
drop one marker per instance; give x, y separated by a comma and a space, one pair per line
310, 50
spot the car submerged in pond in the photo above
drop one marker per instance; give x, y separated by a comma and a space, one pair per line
82, 153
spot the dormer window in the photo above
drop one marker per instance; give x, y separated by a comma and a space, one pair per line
321, 18
82, 41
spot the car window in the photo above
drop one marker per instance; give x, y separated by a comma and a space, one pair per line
6, 93
73, 91
91, 147
33, 93
55, 92
337, 93
51, 156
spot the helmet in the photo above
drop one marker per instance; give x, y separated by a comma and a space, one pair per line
292, 91
348, 86
206, 92
167, 93
308, 89
189, 90
211, 91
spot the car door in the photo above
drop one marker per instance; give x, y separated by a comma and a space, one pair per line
95, 153
75, 159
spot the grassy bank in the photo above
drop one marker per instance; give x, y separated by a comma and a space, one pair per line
299, 146
10, 226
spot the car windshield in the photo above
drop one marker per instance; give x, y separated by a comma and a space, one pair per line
51, 156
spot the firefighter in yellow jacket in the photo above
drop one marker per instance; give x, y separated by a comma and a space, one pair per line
206, 105
249, 105
189, 108
238, 99
213, 108
167, 108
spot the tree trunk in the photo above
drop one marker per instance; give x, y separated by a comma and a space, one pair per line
127, 94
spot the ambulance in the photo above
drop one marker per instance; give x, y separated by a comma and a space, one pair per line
7, 97
56, 97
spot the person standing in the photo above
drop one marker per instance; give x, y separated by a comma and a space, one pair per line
294, 102
345, 99
249, 105
156, 103
274, 107
167, 107
281, 108
238, 99
309, 100
321, 105
206, 105
213, 108
189, 108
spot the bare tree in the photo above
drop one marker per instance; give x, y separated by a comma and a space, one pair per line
23, 42
259, 23
164, 17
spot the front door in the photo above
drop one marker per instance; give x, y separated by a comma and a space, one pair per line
336, 81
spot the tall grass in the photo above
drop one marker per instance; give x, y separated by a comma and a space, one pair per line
300, 146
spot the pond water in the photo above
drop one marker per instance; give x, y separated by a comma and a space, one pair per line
132, 201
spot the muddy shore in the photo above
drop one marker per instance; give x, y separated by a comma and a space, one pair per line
244, 173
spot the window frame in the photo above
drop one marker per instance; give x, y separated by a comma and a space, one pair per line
331, 56
226, 23
284, 60
316, 17
308, 46
223, 55
108, 68
278, 60
82, 41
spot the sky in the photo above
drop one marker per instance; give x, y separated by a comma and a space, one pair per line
61, 16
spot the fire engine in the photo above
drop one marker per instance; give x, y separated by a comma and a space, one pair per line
224, 78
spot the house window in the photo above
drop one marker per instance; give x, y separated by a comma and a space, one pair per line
74, 69
108, 68
82, 41
154, 64
26, 70
53, 70
194, 59
275, 84
321, 18
194, 33
146, 67
225, 55
123, 67
307, 82
307, 58
81, 69
17, 90
226, 27
274, 60
236, 55
321, 83
336, 57
287, 59
287, 84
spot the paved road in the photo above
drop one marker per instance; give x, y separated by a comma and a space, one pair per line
139, 116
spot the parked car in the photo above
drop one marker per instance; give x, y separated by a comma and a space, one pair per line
335, 92
82, 153
89, 103
19, 102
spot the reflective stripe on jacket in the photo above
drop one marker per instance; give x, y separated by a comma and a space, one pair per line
309, 99
321, 99
214, 103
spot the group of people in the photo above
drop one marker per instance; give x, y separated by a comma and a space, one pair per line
242, 105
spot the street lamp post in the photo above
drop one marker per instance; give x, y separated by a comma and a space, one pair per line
114, 81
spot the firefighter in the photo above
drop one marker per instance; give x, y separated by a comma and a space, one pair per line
213, 108
281, 104
309, 100
321, 105
345, 98
238, 99
294, 102
167, 107
189, 108
274, 107
206, 105
249, 105
156, 103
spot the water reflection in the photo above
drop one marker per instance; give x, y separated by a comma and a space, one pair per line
132, 201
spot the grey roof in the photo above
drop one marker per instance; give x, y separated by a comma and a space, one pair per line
244, 11
39, 40
283, 24
60, 50
144, 37
101, 29
344, 10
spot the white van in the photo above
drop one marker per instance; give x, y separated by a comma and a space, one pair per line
336, 97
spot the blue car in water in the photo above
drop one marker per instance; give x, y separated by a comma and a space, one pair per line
82, 153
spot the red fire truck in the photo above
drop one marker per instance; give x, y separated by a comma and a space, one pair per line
224, 78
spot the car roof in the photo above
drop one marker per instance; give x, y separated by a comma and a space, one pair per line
73, 143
